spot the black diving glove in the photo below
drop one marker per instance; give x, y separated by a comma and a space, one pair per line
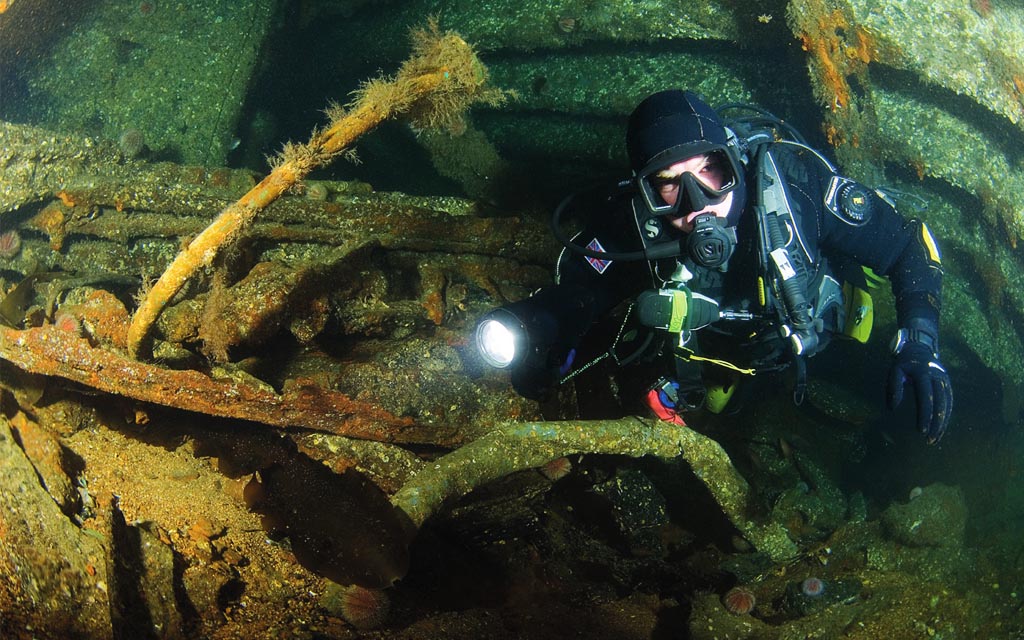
917, 363
675, 310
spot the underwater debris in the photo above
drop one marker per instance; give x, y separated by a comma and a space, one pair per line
339, 524
51, 351
440, 80
517, 446
937, 517
68, 588
15, 305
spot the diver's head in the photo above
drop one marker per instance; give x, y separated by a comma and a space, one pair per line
684, 160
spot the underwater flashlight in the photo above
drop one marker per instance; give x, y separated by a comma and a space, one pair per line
501, 338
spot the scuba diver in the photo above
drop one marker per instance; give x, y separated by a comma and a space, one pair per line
731, 241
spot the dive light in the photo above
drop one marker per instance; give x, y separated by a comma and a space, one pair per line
502, 338
536, 333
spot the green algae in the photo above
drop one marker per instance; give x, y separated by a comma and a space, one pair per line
175, 74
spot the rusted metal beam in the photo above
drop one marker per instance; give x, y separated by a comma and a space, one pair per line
52, 351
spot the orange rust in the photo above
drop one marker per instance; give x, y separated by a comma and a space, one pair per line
433, 302
220, 178
1017, 86
118, 205
456, 340
833, 135
831, 76
838, 52
479, 275
919, 168
49, 351
53, 222
865, 46
66, 198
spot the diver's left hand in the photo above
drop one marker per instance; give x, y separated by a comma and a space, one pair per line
917, 365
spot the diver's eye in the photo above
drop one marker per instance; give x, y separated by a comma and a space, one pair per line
668, 188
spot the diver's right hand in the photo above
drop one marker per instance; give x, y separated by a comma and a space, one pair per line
917, 366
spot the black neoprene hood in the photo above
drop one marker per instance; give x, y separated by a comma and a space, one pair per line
670, 119
670, 126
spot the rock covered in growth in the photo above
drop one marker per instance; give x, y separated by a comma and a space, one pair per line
182, 74
813, 595
984, 64
55, 579
935, 518
33, 162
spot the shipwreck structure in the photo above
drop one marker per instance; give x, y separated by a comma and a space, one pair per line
243, 401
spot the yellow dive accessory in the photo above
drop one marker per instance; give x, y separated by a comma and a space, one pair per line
718, 397
860, 309
860, 313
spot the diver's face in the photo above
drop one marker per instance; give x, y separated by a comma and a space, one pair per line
707, 168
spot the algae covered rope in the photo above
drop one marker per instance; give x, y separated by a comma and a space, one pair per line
432, 88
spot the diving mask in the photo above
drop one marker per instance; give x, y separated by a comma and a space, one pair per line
676, 195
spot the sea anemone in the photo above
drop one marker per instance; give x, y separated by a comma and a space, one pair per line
556, 469
812, 587
10, 244
364, 608
739, 601
66, 322
566, 24
132, 143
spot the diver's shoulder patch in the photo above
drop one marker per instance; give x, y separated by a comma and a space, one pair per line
599, 264
850, 201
